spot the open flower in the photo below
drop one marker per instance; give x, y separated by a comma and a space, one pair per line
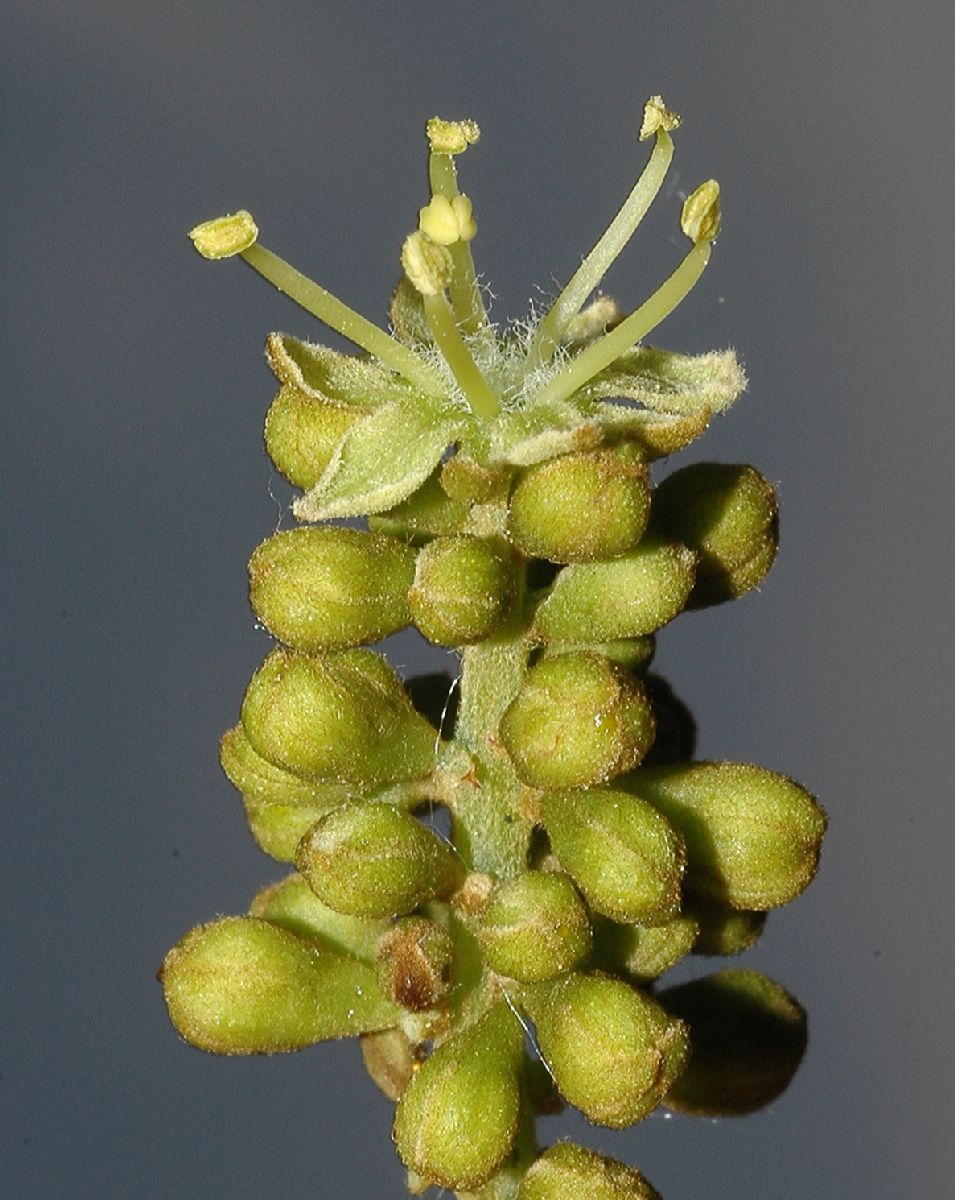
444, 376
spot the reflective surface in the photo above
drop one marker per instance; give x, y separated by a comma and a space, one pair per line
135, 490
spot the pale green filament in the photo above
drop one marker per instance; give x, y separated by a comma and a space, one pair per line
590, 272
630, 331
344, 320
441, 320
465, 294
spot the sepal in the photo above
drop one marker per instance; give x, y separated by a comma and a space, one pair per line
341, 380
382, 460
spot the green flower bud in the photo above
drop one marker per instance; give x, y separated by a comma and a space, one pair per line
635, 654
371, 860
244, 986
415, 961
568, 1172
324, 587
428, 512
644, 952
292, 904
457, 1119
278, 828
626, 859
752, 837
535, 927
581, 507
577, 720
336, 716
748, 1037
302, 434
726, 930
463, 590
264, 783
626, 597
613, 1051
728, 515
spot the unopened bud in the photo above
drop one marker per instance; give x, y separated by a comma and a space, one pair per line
222, 237
535, 927
244, 986
625, 597
577, 720
581, 507
415, 962
613, 1051
748, 1037
292, 904
725, 930
264, 783
626, 859
568, 1172
372, 860
324, 587
463, 589
752, 837
278, 828
428, 512
457, 1119
389, 1060
728, 515
644, 952
338, 716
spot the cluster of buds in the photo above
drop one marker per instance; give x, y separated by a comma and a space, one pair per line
504, 479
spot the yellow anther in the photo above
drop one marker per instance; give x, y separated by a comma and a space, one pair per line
451, 137
657, 116
224, 236
447, 221
467, 226
426, 263
700, 220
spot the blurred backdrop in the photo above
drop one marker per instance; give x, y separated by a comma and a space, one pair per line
135, 487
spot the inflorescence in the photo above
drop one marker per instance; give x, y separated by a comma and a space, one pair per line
497, 973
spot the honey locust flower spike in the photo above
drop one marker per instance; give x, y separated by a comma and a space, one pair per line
513, 519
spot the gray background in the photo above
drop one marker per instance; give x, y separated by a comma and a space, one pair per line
134, 488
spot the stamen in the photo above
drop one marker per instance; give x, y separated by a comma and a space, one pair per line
656, 120
630, 331
344, 320
447, 138
441, 320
